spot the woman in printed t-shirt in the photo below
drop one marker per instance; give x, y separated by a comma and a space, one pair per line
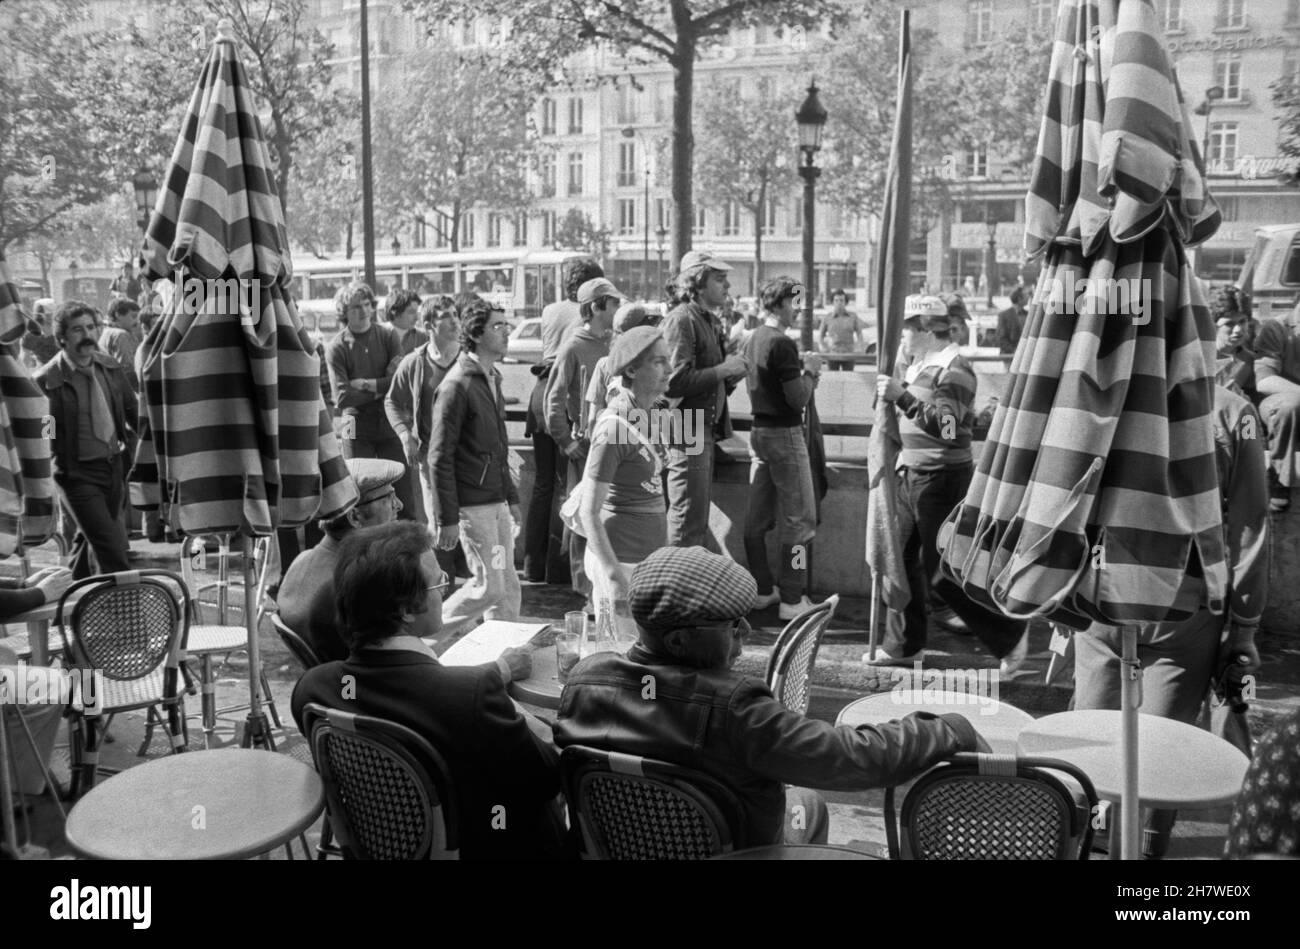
623, 504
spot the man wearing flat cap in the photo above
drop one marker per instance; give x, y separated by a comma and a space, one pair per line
306, 595
673, 697
934, 404
575, 362
701, 377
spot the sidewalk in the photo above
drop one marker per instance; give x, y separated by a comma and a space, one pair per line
839, 678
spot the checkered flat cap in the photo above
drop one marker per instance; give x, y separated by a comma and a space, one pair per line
683, 586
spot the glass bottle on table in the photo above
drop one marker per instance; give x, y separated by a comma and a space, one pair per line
604, 637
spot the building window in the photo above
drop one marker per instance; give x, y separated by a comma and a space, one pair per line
548, 116
421, 235
546, 175
979, 22
1223, 142
1232, 14
977, 163
626, 105
467, 229
697, 227
769, 219
521, 230
1291, 67
1227, 73
664, 102
575, 116
1172, 16
626, 164
662, 216
548, 228
730, 219
1042, 15
575, 173
626, 216
494, 230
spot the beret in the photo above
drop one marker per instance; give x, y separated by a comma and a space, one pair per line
628, 347
684, 586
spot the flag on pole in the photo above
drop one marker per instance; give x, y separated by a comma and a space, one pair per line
884, 549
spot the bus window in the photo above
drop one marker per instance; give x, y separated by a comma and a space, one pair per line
428, 283
297, 285
539, 287
324, 286
386, 282
489, 279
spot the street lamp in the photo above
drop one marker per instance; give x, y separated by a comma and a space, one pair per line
73, 267
991, 254
1205, 108
146, 193
811, 117
396, 246
661, 236
629, 133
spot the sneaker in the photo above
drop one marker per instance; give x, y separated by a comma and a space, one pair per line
947, 619
764, 600
1012, 661
885, 659
791, 610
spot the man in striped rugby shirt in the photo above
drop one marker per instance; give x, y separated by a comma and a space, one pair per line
935, 408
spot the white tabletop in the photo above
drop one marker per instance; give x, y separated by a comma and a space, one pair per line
997, 722
1179, 765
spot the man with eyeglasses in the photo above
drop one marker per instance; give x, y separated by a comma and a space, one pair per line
362, 358
387, 588
475, 501
575, 363
306, 595
675, 698
93, 419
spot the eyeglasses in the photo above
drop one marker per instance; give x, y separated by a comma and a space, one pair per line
501, 325
738, 628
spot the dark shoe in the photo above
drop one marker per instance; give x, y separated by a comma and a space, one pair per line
1279, 495
885, 659
946, 619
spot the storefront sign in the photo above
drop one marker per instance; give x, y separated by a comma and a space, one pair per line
1250, 168
1223, 44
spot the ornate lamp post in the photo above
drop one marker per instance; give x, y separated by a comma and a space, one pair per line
811, 117
396, 247
146, 193
661, 236
991, 253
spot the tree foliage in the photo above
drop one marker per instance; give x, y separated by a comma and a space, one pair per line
542, 34
577, 231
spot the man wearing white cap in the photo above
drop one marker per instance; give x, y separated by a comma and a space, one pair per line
700, 378
306, 595
575, 363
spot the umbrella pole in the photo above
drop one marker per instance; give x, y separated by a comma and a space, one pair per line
1130, 810
873, 629
257, 729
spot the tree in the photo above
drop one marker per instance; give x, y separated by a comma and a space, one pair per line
544, 33
327, 182
454, 133
1286, 100
288, 68
579, 232
745, 157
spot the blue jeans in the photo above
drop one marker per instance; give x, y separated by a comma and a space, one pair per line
690, 492
780, 477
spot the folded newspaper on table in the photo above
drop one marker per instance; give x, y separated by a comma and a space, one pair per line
486, 643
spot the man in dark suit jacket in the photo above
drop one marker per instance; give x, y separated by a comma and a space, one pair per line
503, 764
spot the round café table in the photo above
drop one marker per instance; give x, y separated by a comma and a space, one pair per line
1179, 765
997, 722
797, 852
226, 804
542, 688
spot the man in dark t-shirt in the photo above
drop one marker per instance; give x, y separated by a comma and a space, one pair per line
780, 385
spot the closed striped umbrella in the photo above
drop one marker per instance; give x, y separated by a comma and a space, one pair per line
26, 476
1096, 497
237, 434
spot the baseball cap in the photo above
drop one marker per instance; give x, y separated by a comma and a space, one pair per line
631, 315
930, 311
595, 289
702, 258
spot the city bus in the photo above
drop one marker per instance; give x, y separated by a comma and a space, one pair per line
520, 280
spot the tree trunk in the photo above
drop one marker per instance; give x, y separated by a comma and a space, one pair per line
683, 139
347, 244
758, 237
282, 175
454, 237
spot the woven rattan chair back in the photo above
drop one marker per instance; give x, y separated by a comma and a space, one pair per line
632, 808
126, 625
388, 791
789, 671
296, 645
996, 807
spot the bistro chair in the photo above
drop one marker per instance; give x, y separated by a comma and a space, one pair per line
130, 628
789, 670
296, 645
633, 808
994, 807
211, 633
388, 793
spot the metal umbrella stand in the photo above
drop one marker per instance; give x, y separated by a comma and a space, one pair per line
236, 438
1096, 497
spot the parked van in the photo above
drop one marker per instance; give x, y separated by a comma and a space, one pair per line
1270, 278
